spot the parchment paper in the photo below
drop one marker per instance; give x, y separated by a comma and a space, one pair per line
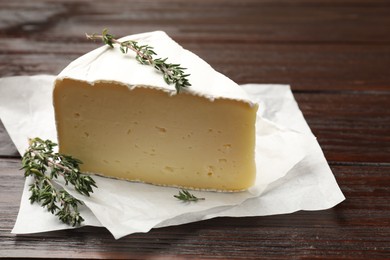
292, 172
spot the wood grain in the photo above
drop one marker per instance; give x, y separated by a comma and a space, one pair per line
291, 42
334, 53
360, 226
350, 127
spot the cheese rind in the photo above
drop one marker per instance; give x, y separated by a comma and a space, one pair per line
134, 126
110, 64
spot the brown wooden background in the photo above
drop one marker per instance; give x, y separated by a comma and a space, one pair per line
334, 53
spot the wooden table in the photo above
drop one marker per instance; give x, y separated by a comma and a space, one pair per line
334, 53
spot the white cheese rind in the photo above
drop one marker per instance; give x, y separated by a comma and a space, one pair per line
108, 64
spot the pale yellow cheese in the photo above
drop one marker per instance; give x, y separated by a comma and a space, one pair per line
144, 134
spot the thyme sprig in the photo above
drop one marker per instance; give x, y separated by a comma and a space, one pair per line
185, 195
41, 162
172, 73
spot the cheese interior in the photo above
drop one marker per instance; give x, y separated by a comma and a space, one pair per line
144, 134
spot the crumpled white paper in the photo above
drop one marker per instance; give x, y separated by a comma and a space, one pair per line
292, 172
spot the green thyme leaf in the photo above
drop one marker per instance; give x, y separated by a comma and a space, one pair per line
172, 73
44, 165
185, 195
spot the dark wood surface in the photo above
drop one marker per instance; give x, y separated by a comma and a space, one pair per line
334, 53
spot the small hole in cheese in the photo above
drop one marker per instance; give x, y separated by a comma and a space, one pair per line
210, 170
161, 129
168, 169
76, 115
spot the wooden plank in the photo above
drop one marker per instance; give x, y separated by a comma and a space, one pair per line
334, 53
7, 147
359, 227
350, 127
276, 21
304, 66
290, 42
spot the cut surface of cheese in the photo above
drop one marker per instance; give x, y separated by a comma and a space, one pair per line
139, 129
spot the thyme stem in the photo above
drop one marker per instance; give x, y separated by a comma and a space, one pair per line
40, 162
172, 73
185, 195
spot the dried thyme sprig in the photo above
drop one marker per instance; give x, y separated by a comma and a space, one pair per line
185, 195
172, 73
44, 165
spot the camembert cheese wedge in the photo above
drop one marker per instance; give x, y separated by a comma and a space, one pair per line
123, 121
